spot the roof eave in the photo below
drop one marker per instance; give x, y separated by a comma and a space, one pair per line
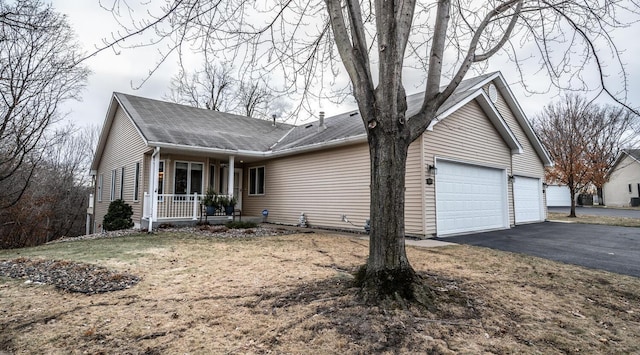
106, 128
265, 154
513, 104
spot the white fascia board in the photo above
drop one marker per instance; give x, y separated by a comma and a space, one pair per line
487, 80
268, 154
492, 113
104, 132
106, 128
499, 123
513, 104
144, 139
619, 158
452, 109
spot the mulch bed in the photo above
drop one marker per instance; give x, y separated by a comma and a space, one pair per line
91, 279
67, 275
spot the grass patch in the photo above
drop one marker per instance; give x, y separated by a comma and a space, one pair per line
606, 220
294, 294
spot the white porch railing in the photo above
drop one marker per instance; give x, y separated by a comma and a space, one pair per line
172, 206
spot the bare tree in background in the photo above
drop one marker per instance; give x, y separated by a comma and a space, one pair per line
39, 70
55, 202
302, 42
215, 88
211, 87
583, 139
253, 99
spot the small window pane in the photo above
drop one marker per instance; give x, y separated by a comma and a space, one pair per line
252, 181
260, 181
160, 177
136, 181
181, 178
196, 178
121, 195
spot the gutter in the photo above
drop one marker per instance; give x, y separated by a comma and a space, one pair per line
361, 138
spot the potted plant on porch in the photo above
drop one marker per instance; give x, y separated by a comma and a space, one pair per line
228, 203
210, 200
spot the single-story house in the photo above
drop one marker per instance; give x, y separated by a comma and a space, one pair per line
479, 166
623, 187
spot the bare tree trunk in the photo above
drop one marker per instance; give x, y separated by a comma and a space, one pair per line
388, 273
572, 213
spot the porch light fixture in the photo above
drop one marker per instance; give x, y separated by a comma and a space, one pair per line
432, 170
511, 178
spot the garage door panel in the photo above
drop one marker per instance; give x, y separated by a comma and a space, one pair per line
469, 198
527, 199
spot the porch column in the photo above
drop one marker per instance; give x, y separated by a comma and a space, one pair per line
154, 170
230, 182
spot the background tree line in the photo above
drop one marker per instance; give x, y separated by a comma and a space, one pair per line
44, 183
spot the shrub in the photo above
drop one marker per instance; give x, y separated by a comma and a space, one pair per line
118, 216
241, 225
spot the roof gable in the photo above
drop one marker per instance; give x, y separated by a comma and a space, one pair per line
633, 154
106, 129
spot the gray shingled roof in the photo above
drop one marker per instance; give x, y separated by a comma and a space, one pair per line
634, 153
349, 125
166, 122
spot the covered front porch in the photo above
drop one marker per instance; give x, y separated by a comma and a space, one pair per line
178, 181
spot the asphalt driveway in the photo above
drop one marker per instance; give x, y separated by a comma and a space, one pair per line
598, 211
615, 249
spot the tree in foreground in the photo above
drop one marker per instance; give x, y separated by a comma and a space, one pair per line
308, 44
39, 70
584, 140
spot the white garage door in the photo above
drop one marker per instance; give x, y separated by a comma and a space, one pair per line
527, 198
558, 196
470, 198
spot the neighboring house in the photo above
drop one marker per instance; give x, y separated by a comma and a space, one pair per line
558, 196
624, 180
479, 166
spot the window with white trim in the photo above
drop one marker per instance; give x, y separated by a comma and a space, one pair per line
256, 181
136, 181
112, 195
121, 194
188, 178
99, 192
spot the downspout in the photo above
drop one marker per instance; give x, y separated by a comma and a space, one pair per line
153, 205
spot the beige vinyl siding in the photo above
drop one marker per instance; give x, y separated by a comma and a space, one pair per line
326, 184
414, 188
466, 136
616, 191
124, 147
528, 163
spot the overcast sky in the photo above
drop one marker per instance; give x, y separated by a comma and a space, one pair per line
120, 71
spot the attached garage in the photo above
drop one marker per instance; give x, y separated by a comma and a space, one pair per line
470, 198
527, 199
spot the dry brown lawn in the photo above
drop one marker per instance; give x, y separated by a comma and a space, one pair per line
291, 294
608, 220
